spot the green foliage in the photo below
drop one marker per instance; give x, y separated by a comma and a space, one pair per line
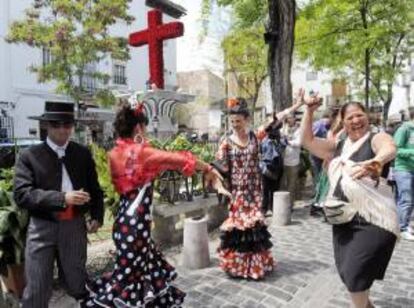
6, 179
244, 48
180, 143
105, 98
111, 197
13, 226
337, 35
246, 57
247, 13
77, 35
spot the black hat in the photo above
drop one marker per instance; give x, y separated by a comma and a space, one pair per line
57, 112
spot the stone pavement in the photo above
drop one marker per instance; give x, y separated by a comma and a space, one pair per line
305, 275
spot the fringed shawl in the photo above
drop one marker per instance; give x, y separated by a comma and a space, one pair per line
374, 203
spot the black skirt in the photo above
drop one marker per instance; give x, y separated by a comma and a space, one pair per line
362, 252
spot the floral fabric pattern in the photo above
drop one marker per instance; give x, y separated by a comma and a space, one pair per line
245, 219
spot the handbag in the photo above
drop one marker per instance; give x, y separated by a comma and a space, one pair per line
338, 212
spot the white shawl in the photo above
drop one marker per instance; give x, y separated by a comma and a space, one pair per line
375, 204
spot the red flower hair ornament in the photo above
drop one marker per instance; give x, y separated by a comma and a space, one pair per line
237, 106
232, 102
136, 105
139, 109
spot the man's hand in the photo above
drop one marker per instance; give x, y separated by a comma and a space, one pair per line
92, 226
77, 197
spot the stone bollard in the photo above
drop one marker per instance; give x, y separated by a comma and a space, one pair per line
196, 254
281, 208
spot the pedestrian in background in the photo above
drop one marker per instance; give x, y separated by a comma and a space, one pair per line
404, 175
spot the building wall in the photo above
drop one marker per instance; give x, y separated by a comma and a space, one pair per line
209, 88
20, 86
201, 83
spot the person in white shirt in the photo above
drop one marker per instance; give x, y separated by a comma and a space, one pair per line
291, 158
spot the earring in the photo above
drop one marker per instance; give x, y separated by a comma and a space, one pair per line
138, 139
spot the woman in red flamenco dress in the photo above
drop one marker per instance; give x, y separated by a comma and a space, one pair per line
141, 276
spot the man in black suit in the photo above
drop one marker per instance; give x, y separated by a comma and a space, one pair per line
57, 183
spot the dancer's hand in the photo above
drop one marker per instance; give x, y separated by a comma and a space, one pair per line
218, 185
313, 101
92, 226
371, 168
211, 175
214, 179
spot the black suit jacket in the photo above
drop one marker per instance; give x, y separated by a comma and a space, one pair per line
38, 180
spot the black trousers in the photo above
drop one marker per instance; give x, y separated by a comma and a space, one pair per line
269, 186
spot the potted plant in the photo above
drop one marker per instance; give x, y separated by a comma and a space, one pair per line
13, 226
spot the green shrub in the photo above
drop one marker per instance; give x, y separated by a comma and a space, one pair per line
13, 227
111, 197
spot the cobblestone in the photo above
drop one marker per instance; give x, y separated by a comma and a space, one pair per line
305, 275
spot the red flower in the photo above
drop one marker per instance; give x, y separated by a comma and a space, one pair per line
231, 102
139, 109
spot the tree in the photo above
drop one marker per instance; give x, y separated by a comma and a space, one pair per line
76, 33
245, 58
280, 37
368, 38
278, 18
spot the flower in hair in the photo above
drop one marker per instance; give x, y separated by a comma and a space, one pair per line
232, 102
139, 109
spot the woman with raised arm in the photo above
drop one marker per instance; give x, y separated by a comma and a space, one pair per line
366, 228
244, 251
141, 276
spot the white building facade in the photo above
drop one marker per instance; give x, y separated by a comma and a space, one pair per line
22, 96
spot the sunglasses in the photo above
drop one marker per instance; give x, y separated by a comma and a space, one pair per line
61, 124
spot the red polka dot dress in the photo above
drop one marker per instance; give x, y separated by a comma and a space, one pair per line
141, 276
245, 241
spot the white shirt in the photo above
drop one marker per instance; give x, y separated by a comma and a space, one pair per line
60, 151
292, 151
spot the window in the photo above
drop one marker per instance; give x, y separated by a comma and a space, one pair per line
47, 56
119, 74
89, 81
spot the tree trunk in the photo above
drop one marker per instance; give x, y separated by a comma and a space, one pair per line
280, 37
364, 12
367, 77
387, 103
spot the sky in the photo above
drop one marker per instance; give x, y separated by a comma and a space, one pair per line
194, 53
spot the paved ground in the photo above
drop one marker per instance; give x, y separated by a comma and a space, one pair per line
305, 276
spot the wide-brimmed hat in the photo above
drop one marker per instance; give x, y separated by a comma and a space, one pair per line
57, 112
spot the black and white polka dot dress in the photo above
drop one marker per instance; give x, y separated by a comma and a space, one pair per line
141, 276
